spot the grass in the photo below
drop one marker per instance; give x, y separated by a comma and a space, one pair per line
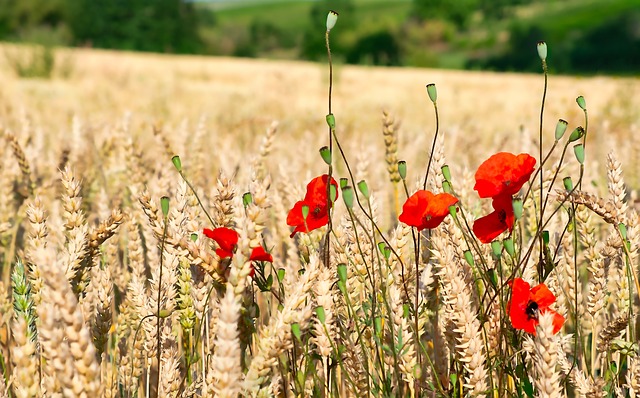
111, 288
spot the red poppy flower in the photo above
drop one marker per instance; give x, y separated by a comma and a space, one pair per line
423, 209
503, 174
259, 254
226, 238
501, 219
527, 304
316, 200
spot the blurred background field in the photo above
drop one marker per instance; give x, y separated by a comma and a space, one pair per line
237, 99
585, 36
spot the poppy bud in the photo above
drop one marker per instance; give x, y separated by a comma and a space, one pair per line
468, 256
578, 149
542, 50
517, 208
325, 153
347, 196
402, 169
433, 93
247, 199
576, 134
561, 127
496, 248
446, 186
581, 103
384, 249
568, 183
446, 172
280, 274
343, 182
332, 18
508, 245
164, 204
164, 313
364, 188
331, 121
176, 162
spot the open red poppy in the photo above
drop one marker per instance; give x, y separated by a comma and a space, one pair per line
316, 200
424, 210
259, 254
503, 174
501, 219
226, 238
527, 304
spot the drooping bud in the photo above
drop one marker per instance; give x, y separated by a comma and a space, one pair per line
581, 103
576, 134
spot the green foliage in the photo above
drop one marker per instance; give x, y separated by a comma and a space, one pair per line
592, 37
457, 12
34, 61
159, 25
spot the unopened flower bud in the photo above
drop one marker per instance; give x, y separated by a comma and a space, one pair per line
542, 50
332, 18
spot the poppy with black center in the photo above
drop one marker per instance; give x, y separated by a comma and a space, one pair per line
527, 304
503, 174
487, 228
316, 201
424, 210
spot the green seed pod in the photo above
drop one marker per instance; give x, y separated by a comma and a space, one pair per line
247, 199
332, 18
578, 149
325, 153
331, 121
496, 248
561, 127
164, 205
568, 183
517, 208
305, 211
446, 172
576, 134
347, 196
364, 188
509, 247
177, 163
542, 50
433, 93
581, 103
402, 169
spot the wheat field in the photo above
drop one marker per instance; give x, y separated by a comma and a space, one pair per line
111, 285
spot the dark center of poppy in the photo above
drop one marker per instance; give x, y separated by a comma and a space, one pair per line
532, 310
507, 182
427, 218
316, 211
502, 216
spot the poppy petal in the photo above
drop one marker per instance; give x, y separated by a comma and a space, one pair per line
259, 254
503, 173
226, 238
487, 228
542, 296
424, 210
